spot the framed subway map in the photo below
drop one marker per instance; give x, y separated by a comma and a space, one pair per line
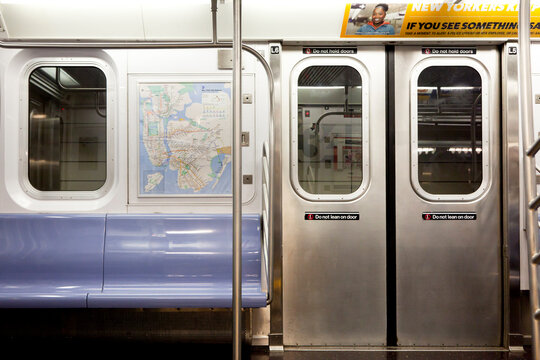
184, 138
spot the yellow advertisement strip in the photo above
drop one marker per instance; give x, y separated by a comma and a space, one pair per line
464, 19
345, 20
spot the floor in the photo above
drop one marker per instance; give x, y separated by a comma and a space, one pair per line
396, 355
66, 333
68, 348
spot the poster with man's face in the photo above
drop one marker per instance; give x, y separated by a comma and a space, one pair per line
424, 19
375, 19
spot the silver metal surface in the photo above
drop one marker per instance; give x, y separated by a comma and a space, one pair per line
245, 138
225, 59
510, 183
533, 149
271, 216
529, 166
275, 338
449, 282
237, 180
44, 154
334, 272
247, 99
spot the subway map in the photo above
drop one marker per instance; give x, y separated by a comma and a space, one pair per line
184, 138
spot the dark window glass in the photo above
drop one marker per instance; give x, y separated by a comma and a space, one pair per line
330, 130
67, 132
449, 130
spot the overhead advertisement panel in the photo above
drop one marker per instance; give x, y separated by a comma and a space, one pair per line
430, 19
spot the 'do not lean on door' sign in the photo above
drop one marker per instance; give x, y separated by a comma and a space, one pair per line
343, 216
449, 216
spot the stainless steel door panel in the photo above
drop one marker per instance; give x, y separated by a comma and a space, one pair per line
449, 282
334, 272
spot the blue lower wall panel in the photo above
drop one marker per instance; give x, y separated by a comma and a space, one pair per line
50, 260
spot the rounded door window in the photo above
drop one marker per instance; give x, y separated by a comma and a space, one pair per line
449, 128
329, 143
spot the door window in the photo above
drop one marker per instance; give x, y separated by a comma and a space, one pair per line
448, 121
330, 151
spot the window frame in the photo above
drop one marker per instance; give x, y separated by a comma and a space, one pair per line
486, 101
24, 124
364, 75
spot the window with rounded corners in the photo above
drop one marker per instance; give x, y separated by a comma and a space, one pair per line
449, 129
67, 128
329, 157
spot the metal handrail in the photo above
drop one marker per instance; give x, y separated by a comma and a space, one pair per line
473, 136
529, 167
316, 125
267, 223
533, 150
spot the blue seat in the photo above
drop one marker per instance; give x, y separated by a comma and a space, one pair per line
50, 260
126, 261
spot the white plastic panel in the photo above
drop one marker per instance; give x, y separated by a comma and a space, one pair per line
99, 19
108, 20
177, 20
285, 19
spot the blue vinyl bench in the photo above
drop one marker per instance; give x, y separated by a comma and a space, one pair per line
126, 261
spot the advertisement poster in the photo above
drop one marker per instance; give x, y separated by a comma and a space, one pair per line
430, 19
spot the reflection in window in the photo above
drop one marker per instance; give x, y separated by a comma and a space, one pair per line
330, 130
67, 129
449, 130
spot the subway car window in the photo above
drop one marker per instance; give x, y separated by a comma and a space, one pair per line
449, 130
67, 132
330, 130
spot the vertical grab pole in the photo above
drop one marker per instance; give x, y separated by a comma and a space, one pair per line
529, 162
213, 8
237, 180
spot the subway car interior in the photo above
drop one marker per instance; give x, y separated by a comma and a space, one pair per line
304, 179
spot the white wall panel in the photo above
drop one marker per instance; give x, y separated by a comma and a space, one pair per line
14, 196
179, 65
120, 64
